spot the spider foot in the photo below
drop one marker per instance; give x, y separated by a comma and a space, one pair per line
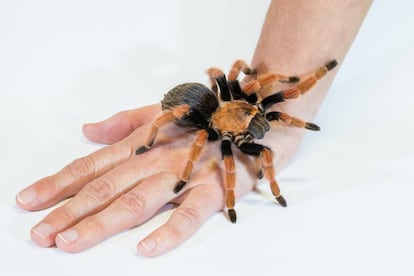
260, 174
330, 65
281, 200
312, 126
179, 186
249, 71
232, 215
141, 150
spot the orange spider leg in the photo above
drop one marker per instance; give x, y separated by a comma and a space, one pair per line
297, 122
308, 83
292, 121
270, 78
168, 116
214, 73
251, 87
258, 164
229, 176
265, 80
229, 184
240, 66
269, 174
194, 155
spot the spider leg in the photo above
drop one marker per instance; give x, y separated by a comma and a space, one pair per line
219, 84
258, 161
230, 178
214, 73
240, 66
165, 118
299, 89
284, 117
251, 88
269, 174
234, 85
194, 155
266, 157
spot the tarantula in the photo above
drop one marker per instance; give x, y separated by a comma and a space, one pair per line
233, 112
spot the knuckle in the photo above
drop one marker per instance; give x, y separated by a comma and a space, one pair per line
50, 185
96, 225
133, 202
100, 190
174, 231
188, 216
126, 144
184, 220
81, 167
65, 214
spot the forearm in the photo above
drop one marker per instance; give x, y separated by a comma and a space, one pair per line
299, 36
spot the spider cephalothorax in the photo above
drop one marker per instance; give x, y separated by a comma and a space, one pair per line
234, 113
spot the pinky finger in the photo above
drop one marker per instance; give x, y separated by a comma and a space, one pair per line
200, 203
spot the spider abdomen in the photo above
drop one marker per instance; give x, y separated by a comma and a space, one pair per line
199, 97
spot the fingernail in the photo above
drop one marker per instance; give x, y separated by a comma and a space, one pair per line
26, 196
43, 230
148, 245
68, 236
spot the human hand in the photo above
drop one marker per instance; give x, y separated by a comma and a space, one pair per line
113, 189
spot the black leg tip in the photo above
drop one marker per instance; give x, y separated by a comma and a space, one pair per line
250, 71
292, 79
232, 215
282, 201
331, 65
141, 150
260, 174
179, 186
312, 126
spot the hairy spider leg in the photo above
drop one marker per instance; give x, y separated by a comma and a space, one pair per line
252, 87
224, 89
219, 84
240, 66
265, 155
269, 174
308, 83
299, 89
258, 162
214, 73
195, 151
292, 121
166, 117
230, 177
266, 79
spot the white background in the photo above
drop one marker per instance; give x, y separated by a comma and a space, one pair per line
350, 187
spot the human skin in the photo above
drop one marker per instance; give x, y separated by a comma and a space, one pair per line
113, 190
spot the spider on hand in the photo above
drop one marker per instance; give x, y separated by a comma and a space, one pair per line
233, 112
